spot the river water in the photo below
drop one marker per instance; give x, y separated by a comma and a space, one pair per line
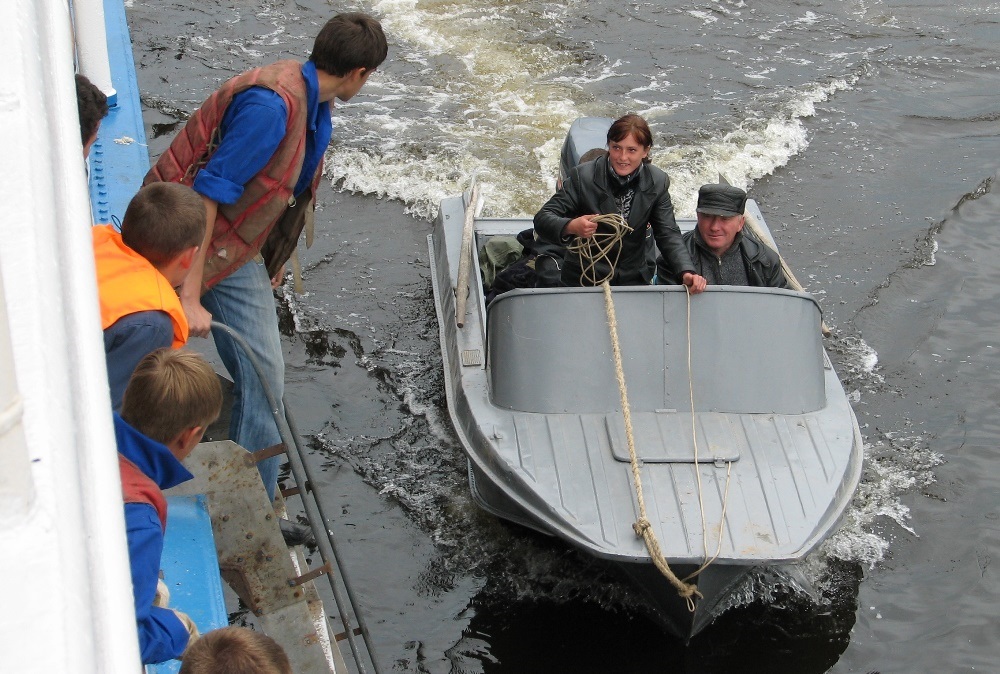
869, 133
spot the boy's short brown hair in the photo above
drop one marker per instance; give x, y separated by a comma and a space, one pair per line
163, 220
170, 392
235, 650
92, 105
349, 41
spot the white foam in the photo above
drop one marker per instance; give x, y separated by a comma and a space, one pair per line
506, 102
743, 155
932, 258
809, 19
705, 17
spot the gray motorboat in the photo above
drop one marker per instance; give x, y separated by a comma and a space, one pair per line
746, 444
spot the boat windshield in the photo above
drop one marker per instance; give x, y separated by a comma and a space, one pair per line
753, 350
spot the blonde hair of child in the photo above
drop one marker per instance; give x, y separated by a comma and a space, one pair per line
169, 392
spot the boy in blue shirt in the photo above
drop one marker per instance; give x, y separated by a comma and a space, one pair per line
254, 152
169, 401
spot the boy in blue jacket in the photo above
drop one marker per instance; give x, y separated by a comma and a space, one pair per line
170, 399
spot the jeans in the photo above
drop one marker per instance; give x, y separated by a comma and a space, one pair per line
244, 301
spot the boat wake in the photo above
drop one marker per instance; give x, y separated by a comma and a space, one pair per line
421, 175
896, 463
517, 78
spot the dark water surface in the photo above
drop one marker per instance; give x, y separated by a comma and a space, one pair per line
869, 132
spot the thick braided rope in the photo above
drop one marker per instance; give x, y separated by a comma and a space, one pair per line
642, 526
600, 247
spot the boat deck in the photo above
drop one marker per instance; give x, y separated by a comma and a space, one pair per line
785, 444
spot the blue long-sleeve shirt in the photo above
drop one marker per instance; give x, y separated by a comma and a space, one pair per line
162, 636
252, 127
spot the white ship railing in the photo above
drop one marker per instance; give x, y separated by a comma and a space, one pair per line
92, 45
62, 538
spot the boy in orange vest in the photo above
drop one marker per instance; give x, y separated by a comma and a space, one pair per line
138, 272
170, 400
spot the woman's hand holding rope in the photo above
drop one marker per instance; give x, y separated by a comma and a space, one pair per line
598, 247
584, 226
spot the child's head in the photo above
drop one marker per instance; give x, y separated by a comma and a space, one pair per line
93, 106
347, 42
172, 397
165, 223
235, 650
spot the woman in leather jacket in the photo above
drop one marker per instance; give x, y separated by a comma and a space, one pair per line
626, 183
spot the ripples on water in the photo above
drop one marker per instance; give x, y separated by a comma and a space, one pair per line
490, 88
780, 96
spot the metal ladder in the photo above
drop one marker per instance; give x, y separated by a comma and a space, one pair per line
253, 558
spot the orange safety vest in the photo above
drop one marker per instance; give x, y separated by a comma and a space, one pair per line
241, 229
128, 283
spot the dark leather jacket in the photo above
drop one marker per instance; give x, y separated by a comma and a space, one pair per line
587, 190
763, 266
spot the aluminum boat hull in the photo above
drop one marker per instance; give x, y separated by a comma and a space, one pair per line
769, 452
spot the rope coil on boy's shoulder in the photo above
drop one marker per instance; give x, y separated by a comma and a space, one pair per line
600, 248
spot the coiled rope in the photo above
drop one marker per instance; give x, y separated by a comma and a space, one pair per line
590, 254
600, 247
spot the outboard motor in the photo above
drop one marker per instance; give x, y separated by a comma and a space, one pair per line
586, 133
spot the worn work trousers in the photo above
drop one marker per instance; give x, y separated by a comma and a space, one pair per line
244, 301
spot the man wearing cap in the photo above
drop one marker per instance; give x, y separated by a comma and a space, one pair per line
722, 252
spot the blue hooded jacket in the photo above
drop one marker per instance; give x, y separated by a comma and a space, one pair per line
162, 636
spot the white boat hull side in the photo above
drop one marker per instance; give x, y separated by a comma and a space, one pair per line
62, 557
